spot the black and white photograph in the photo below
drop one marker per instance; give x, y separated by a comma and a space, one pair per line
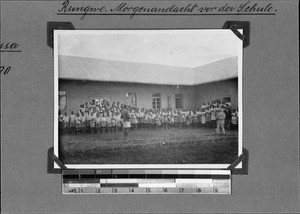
148, 98
149, 106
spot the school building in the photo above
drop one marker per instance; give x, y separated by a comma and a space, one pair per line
145, 85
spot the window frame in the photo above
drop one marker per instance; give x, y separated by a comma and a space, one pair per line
179, 97
156, 96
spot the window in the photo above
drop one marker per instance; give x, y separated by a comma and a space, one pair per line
156, 101
131, 99
178, 101
62, 100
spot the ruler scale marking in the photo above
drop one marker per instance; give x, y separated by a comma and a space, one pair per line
146, 182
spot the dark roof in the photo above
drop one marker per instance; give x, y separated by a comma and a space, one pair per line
82, 68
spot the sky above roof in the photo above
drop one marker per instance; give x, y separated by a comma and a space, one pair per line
183, 48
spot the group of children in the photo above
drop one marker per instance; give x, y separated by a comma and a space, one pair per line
102, 117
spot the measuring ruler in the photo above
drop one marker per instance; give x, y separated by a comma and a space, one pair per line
146, 182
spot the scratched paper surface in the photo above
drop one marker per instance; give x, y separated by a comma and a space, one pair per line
270, 108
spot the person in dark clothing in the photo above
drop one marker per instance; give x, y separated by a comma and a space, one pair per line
125, 116
228, 117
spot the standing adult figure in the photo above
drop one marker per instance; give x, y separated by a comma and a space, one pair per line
125, 116
227, 112
220, 120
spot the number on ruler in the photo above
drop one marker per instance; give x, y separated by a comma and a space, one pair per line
165, 189
80, 190
131, 190
199, 190
148, 190
216, 190
115, 190
72, 190
181, 189
98, 190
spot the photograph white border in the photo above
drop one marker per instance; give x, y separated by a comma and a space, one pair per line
144, 166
